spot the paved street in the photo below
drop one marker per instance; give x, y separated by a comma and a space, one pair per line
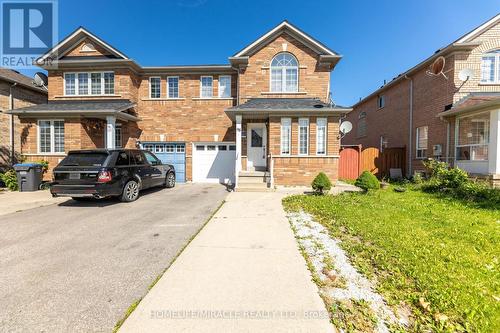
77, 266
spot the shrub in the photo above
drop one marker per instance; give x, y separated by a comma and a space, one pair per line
10, 179
321, 183
45, 165
367, 181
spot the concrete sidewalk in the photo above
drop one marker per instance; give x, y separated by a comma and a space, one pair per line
242, 273
14, 201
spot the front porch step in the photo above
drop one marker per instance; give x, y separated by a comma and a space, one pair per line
253, 174
251, 180
253, 187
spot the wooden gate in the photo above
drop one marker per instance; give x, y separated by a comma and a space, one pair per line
349, 164
354, 160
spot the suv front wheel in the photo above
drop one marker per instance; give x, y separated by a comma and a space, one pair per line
170, 180
130, 191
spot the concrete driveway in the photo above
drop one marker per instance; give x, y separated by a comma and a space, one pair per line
77, 266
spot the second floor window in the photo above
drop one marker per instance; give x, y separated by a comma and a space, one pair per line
490, 67
206, 90
422, 141
284, 73
173, 86
154, 87
91, 83
224, 86
380, 101
361, 128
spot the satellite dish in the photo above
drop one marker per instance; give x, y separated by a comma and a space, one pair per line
40, 80
465, 74
437, 66
345, 127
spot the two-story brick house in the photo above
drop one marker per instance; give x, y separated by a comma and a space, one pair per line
267, 114
453, 116
16, 91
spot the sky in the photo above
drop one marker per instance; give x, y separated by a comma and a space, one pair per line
377, 39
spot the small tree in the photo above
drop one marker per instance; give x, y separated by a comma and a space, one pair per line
367, 181
321, 183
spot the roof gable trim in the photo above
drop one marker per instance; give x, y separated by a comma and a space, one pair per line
284, 26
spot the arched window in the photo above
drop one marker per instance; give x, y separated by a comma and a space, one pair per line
361, 130
490, 67
284, 73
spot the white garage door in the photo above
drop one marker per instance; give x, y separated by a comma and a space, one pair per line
214, 162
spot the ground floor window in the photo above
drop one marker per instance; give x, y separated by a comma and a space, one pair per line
51, 136
118, 135
286, 134
321, 136
473, 137
303, 136
422, 141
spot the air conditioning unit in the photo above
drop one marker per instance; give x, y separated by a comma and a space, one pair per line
437, 150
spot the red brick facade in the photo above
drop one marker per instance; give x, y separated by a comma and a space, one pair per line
191, 119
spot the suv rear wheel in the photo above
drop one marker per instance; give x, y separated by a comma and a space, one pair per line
130, 191
170, 180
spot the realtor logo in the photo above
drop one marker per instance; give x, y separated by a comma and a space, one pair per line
29, 30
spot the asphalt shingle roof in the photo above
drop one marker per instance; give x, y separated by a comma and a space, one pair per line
13, 76
101, 105
285, 104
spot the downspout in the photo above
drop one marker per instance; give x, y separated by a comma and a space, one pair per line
410, 129
448, 142
11, 129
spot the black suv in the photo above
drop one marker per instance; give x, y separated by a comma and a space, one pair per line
104, 173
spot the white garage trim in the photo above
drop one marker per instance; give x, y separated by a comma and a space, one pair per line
213, 162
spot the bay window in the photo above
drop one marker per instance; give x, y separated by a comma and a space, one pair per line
321, 133
473, 137
51, 136
286, 136
284, 73
422, 141
303, 136
89, 83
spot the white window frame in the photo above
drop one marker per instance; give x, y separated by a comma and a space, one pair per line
417, 148
118, 135
307, 137
485, 144
201, 86
318, 125
219, 86
286, 125
52, 137
168, 87
283, 75
89, 83
150, 87
496, 68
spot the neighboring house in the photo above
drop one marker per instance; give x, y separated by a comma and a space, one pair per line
16, 91
453, 116
268, 111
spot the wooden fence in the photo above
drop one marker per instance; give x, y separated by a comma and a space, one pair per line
356, 159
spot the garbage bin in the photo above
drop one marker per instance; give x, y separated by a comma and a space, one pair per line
29, 176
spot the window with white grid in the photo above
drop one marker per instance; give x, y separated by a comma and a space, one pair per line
96, 84
109, 83
422, 141
173, 86
69, 84
303, 136
224, 86
321, 133
83, 83
286, 136
51, 136
93, 83
284, 73
490, 67
154, 87
206, 87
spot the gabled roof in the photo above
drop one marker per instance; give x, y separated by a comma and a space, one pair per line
74, 39
11, 76
314, 44
464, 43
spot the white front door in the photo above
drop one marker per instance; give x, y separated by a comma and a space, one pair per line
256, 146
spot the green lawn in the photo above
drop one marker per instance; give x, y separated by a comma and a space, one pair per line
416, 245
